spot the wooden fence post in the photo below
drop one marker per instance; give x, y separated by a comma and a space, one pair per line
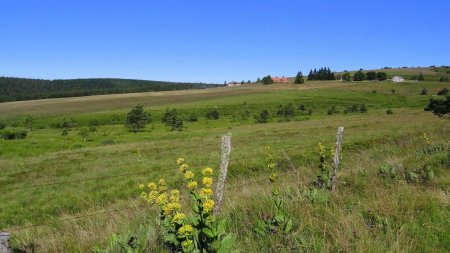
224, 161
337, 151
4, 243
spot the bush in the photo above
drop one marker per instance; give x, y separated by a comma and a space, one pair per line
286, 111
14, 133
93, 122
424, 92
263, 116
213, 114
444, 91
332, 110
193, 118
371, 75
363, 108
389, 111
420, 77
359, 76
137, 118
438, 106
381, 76
299, 78
172, 120
2, 125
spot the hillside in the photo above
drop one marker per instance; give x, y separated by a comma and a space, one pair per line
409, 73
70, 190
13, 89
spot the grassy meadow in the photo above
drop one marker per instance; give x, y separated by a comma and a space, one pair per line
64, 193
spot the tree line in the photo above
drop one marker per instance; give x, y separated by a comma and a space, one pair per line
13, 89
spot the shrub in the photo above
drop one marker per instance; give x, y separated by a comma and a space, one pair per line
263, 116
442, 92
381, 76
424, 92
420, 77
371, 75
302, 107
393, 91
172, 120
213, 114
332, 110
323, 180
92, 129
352, 109
438, 106
200, 232
363, 108
286, 111
14, 133
389, 111
359, 76
83, 133
193, 117
93, 122
2, 125
299, 78
137, 118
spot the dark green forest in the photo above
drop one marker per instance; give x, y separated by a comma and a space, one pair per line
14, 89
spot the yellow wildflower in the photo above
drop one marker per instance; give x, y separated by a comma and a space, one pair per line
162, 182
152, 186
183, 167
192, 185
273, 177
207, 182
271, 166
189, 175
152, 196
186, 243
208, 205
141, 186
181, 161
179, 217
207, 171
185, 230
162, 199
205, 192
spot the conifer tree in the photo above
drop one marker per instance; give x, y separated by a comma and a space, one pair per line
299, 78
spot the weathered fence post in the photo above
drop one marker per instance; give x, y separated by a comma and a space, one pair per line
224, 160
337, 151
4, 243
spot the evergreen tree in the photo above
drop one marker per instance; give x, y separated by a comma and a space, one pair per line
310, 75
137, 118
420, 78
299, 78
267, 80
258, 80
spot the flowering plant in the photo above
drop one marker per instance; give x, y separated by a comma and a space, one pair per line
199, 232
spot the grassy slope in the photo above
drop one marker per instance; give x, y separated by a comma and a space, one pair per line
371, 140
430, 73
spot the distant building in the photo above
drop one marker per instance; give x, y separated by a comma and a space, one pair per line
398, 79
231, 84
280, 79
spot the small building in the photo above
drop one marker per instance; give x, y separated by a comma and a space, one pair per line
398, 79
232, 84
280, 79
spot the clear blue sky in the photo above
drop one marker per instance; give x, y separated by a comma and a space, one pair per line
217, 40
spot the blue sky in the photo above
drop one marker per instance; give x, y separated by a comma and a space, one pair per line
213, 41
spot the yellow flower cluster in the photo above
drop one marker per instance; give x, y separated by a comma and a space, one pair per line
206, 192
178, 218
185, 230
426, 139
322, 150
207, 182
208, 205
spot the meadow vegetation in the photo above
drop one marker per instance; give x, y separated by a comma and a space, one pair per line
71, 184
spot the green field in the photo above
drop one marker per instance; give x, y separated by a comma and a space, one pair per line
65, 194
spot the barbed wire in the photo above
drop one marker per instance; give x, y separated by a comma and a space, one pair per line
117, 176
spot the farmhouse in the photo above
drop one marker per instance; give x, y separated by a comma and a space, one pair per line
398, 79
280, 79
231, 84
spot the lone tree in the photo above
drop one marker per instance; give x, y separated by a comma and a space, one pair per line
267, 80
172, 120
299, 78
420, 78
137, 118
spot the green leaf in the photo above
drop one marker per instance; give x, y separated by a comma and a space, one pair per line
226, 245
288, 226
209, 232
